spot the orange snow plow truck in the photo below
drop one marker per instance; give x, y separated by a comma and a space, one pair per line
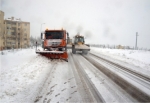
54, 44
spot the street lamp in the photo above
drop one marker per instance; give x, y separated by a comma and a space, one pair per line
41, 26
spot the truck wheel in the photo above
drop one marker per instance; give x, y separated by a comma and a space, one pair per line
73, 51
87, 45
42, 44
66, 48
84, 51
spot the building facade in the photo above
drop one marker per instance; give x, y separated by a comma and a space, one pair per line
16, 34
1, 29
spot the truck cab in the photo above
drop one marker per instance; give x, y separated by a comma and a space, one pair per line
79, 45
54, 40
79, 40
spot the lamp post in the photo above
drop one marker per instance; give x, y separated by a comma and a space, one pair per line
136, 40
41, 26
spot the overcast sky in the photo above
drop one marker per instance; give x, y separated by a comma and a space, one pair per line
111, 22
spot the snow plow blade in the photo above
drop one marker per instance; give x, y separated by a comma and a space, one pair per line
54, 54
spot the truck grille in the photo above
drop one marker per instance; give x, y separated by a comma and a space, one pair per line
54, 42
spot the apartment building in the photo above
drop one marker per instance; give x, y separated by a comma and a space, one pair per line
16, 33
1, 29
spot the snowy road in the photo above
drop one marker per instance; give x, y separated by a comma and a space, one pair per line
98, 85
31, 78
124, 79
65, 83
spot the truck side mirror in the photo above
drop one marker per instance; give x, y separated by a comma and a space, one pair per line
67, 34
41, 35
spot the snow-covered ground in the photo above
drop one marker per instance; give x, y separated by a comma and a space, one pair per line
139, 58
22, 72
21, 75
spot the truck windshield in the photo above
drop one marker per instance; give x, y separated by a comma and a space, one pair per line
79, 40
54, 34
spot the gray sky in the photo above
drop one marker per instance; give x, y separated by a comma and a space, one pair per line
111, 22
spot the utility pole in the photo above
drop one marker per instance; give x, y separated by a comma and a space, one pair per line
136, 40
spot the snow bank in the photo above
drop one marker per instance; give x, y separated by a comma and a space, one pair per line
22, 74
138, 58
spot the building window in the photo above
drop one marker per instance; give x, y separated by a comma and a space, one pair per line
18, 24
13, 23
18, 33
8, 27
13, 33
8, 22
8, 42
18, 28
14, 28
8, 32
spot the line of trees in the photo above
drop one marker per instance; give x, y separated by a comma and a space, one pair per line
33, 41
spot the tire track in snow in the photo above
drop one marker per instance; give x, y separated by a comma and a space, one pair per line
22, 80
134, 91
91, 95
109, 90
47, 81
59, 89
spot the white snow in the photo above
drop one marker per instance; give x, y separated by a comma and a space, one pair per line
139, 58
22, 72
